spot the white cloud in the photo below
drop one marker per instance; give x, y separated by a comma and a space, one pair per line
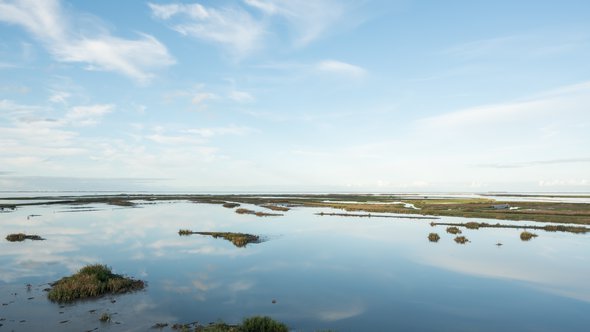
218, 131
48, 22
244, 29
59, 97
342, 68
309, 20
87, 115
538, 44
536, 109
200, 97
241, 96
232, 27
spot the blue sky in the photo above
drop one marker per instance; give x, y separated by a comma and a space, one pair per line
295, 95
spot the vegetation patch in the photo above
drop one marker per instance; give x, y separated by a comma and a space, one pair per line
238, 239
251, 324
453, 230
275, 207
553, 212
92, 281
230, 205
369, 215
105, 317
547, 228
461, 239
262, 324
259, 213
433, 237
525, 236
19, 237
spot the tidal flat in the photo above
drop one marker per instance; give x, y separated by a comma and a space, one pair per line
323, 265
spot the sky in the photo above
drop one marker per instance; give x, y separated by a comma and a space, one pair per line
295, 95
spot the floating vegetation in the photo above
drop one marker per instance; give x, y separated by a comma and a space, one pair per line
262, 324
251, 324
231, 205
92, 281
433, 237
453, 230
120, 202
105, 317
547, 228
238, 239
275, 207
185, 232
19, 237
259, 213
525, 236
461, 239
368, 215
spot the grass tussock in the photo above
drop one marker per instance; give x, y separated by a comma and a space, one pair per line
105, 317
433, 237
185, 232
262, 324
19, 237
461, 239
453, 230
472, 225
92, 281
526, 236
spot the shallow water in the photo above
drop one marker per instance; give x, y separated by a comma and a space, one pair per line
325, 272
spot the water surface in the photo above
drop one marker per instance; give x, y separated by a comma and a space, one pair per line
323, 272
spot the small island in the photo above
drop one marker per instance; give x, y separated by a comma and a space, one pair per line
238, 239
90, 282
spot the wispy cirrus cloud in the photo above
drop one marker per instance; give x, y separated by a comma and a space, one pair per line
308, 20
540, 43
68, 40
341, 68
232, 27
87, 115
245, 26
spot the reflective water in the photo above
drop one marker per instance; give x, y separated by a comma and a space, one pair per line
324, 272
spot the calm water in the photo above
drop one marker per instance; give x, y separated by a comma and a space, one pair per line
339, 273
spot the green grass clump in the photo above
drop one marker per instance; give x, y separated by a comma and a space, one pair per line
19, 237
461, 239
238, 239
453, 230
472, 225
262, 324
525, 236
92, 281
433, 237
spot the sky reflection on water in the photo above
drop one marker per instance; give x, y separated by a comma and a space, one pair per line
346, 274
